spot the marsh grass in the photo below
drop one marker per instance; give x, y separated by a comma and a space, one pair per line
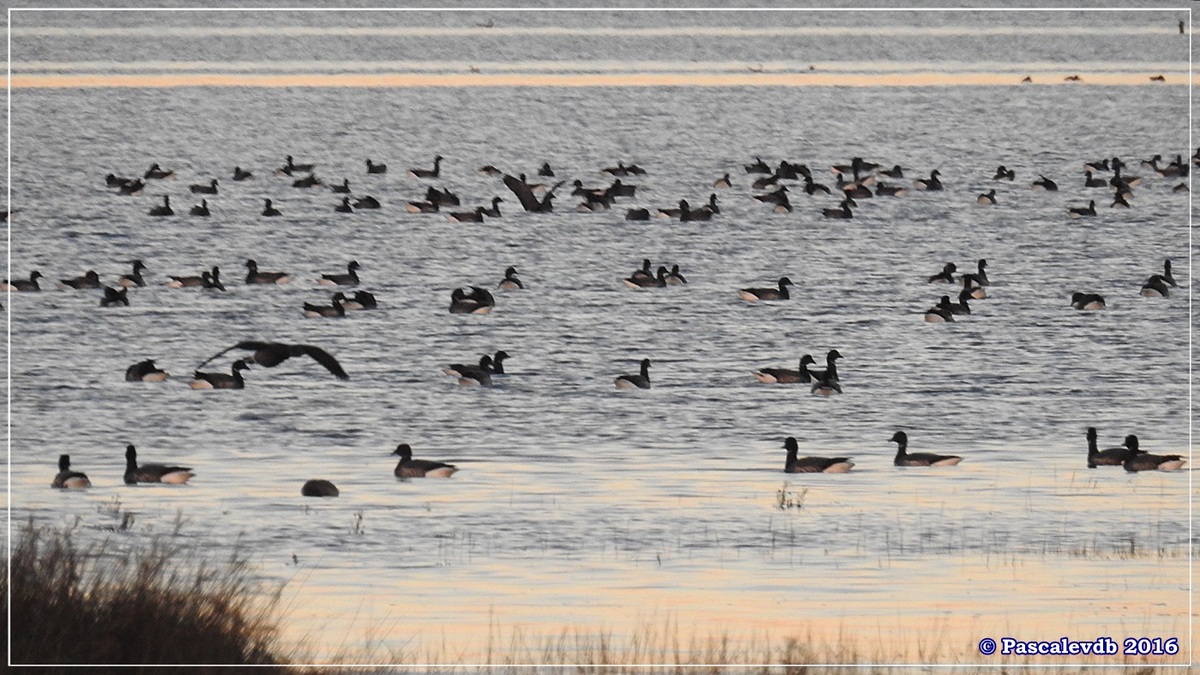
788, 499
668, 647
164, 606
94, 605
990, 538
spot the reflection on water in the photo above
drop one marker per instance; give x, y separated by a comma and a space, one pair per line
887, 555
953, 606
578, 80
560, 66
740, 33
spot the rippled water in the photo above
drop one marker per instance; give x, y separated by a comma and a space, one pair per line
579, 505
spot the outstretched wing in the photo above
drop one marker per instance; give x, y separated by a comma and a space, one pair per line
270, 354
320, 356
523, 193
545, 206
245, 344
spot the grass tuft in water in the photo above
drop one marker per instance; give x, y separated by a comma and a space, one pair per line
786, 499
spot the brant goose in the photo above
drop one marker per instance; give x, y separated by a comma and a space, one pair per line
114, 297
158, 173
1140, 460
428, 173
962, 307
510, 282
420, 468
68, 479
946, 276
332, 310
1043, 183
785, 376
919, 458
979, 278
134, 278
30, 284
271, 354
478, 301
639, 281
89, 280
350, 278
931, 183
1109, 457
812, 464
153, 473
755, 294
1166, 275
201, 189
494, 211
475, 216
1083, 211
253, 276
309, 181
639, 381
941, 312
842, 211
145, 371
1155, 287
361, 300
221, 380
164, 209
830, 373
1087, 301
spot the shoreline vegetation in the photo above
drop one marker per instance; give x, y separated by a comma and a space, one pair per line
73, 604
165, 605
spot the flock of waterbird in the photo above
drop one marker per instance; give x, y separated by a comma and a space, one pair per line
855, 181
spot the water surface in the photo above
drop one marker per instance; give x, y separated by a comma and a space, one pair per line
579, 506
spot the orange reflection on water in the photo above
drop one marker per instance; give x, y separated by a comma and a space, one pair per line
522, 79
915, 611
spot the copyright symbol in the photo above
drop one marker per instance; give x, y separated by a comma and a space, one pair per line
987, 646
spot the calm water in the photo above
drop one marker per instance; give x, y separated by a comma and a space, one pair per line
578, 505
